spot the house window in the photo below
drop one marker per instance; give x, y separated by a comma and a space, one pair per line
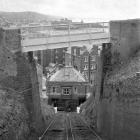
85, 67
66, 91
93, 58
93, 66
91, 82
85, 59
53, 89
92, 75
75, 89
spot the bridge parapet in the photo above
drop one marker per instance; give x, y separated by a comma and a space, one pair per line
64, 36
62, 29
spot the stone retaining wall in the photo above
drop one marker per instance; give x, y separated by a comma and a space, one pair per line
16, 93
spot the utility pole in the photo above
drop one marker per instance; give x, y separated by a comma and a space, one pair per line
69, 43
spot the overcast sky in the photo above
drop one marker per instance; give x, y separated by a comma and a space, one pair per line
86, 9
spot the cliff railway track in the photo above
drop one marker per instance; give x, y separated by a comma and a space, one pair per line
81, 130
55, 129
69, 126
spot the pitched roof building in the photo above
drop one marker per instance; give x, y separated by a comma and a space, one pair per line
67, 74
67, 88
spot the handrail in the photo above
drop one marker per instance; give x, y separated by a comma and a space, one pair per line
41, 35
66, 25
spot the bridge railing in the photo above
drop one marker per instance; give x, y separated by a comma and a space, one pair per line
63, 30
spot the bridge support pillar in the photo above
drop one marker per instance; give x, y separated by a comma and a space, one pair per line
37, 114
41, 52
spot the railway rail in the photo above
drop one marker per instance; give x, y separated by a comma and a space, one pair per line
42, 136
82, 130
70, 135
58, 129
69, 126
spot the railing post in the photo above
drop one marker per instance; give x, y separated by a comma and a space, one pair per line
69, 33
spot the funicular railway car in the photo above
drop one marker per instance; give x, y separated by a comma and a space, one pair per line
66, 89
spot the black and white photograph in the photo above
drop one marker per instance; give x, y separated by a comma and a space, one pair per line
69, 70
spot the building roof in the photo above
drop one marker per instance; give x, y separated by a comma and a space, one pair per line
67, 74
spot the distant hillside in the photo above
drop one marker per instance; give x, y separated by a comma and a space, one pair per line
26, 17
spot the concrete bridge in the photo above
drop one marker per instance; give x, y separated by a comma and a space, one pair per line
52, 39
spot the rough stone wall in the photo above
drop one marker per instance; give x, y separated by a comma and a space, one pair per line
118, 111
40, 75
125, 37
14, 115
16, 104
12, 39
36, 114
6, 58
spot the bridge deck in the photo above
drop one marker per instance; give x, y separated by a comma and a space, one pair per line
60, 41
